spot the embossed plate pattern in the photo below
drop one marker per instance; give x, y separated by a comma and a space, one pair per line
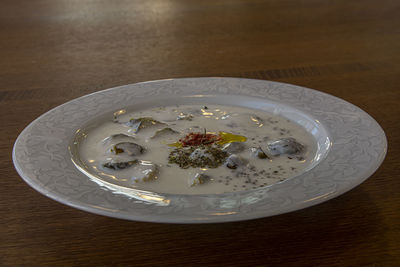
358, 146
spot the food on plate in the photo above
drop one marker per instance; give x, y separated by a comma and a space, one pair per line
259, 153
198, 179
131, 149
234, 161
197, 149
119, 165
289, 146
164, 132
143, 123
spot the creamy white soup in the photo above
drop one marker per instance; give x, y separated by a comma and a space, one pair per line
196, 149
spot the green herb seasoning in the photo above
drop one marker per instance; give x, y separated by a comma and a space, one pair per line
203, 156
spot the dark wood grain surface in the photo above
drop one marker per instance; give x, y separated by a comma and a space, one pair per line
54, 51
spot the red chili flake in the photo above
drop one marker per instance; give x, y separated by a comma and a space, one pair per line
196, 139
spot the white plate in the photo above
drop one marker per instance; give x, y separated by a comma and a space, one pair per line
357, 146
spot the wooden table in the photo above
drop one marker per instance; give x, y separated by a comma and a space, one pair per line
54, 51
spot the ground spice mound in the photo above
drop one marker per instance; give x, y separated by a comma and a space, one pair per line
202, 156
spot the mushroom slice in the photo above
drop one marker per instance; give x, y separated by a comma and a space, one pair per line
144, 171
119, 165
234, 161
164, 132
259, 153
143, 123
140, 170
198, 178
234, 147
115, 138
288, 146
132, 149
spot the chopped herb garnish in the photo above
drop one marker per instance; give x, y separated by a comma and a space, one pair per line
210, 156
119, 165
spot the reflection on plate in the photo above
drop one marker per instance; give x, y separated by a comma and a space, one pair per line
351, 147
